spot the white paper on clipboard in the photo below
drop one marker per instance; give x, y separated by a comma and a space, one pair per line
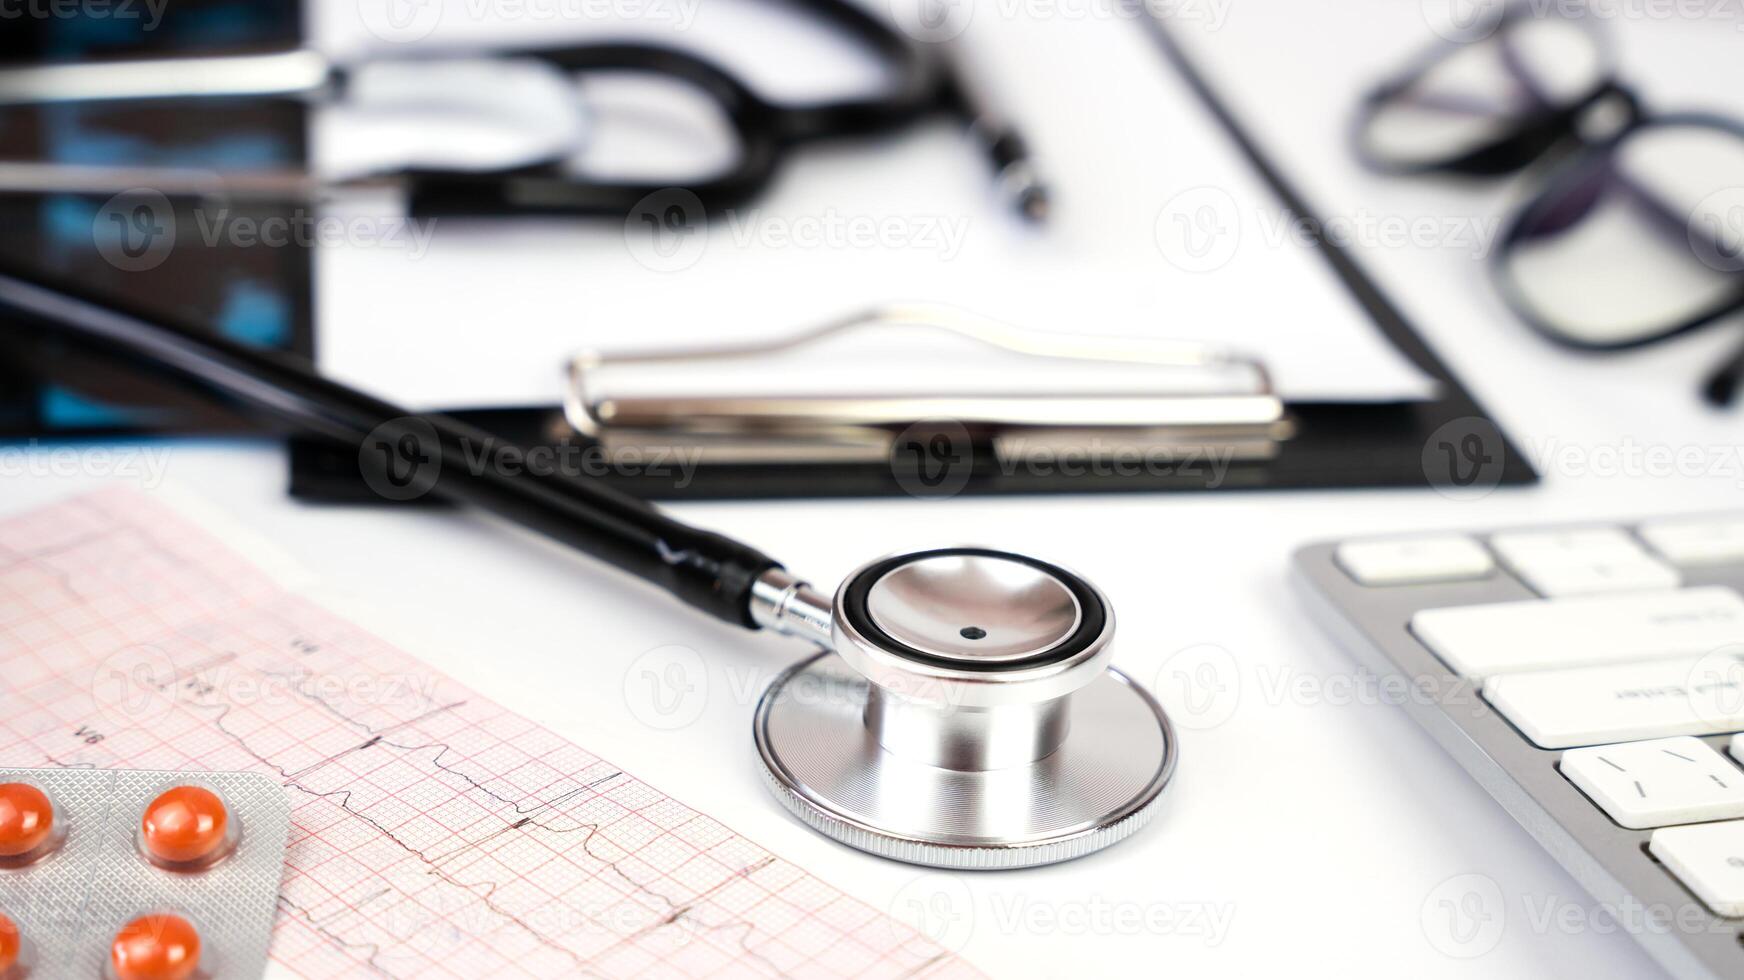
1159, 229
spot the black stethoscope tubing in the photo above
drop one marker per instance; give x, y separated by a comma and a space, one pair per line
709, 571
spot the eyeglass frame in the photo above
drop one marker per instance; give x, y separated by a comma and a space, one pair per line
1555, 134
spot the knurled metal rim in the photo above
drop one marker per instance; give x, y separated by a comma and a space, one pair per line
967, 857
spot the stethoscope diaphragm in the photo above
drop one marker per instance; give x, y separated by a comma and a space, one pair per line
967, 719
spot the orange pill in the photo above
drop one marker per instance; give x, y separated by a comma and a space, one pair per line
9, 944
185, 824
156, 947
26, 819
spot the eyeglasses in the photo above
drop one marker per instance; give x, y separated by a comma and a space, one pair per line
1636, 234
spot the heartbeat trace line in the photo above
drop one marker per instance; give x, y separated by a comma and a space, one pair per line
342, 799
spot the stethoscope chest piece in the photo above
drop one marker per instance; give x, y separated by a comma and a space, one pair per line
968, 717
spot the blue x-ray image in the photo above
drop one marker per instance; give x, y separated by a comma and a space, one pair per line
150, 249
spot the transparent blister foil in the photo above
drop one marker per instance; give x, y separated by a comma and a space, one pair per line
71, 904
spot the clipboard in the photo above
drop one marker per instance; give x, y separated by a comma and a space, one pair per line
1449, 443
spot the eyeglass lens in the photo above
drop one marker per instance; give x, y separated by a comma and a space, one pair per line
1634, 241
1478, 94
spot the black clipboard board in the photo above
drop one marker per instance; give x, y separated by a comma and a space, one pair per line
1449, 443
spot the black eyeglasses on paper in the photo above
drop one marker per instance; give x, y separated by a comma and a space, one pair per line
1636, 233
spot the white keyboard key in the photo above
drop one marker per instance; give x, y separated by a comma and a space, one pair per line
1646, 575
1570, 545
1559, 709
1410, 561
1709, 859
1736, 747
1666, 781
1540, 634
1694, 542
1583, 562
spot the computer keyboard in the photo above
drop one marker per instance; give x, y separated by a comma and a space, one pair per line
1591, 678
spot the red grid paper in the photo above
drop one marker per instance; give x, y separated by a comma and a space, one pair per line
434, 833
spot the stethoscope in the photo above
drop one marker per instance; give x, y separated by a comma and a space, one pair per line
961, 712
533, 89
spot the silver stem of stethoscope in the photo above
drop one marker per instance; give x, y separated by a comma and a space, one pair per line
784, 604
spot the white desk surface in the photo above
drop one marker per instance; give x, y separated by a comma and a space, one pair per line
1310, 832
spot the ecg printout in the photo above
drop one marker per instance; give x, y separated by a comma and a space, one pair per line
434, 833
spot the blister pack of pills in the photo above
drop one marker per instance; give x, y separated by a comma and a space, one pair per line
134, 874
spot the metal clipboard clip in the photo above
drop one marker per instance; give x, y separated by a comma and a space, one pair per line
790, 429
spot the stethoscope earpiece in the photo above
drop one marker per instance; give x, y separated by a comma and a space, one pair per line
968, 717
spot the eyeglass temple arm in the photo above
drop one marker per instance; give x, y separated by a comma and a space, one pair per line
1721, 387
